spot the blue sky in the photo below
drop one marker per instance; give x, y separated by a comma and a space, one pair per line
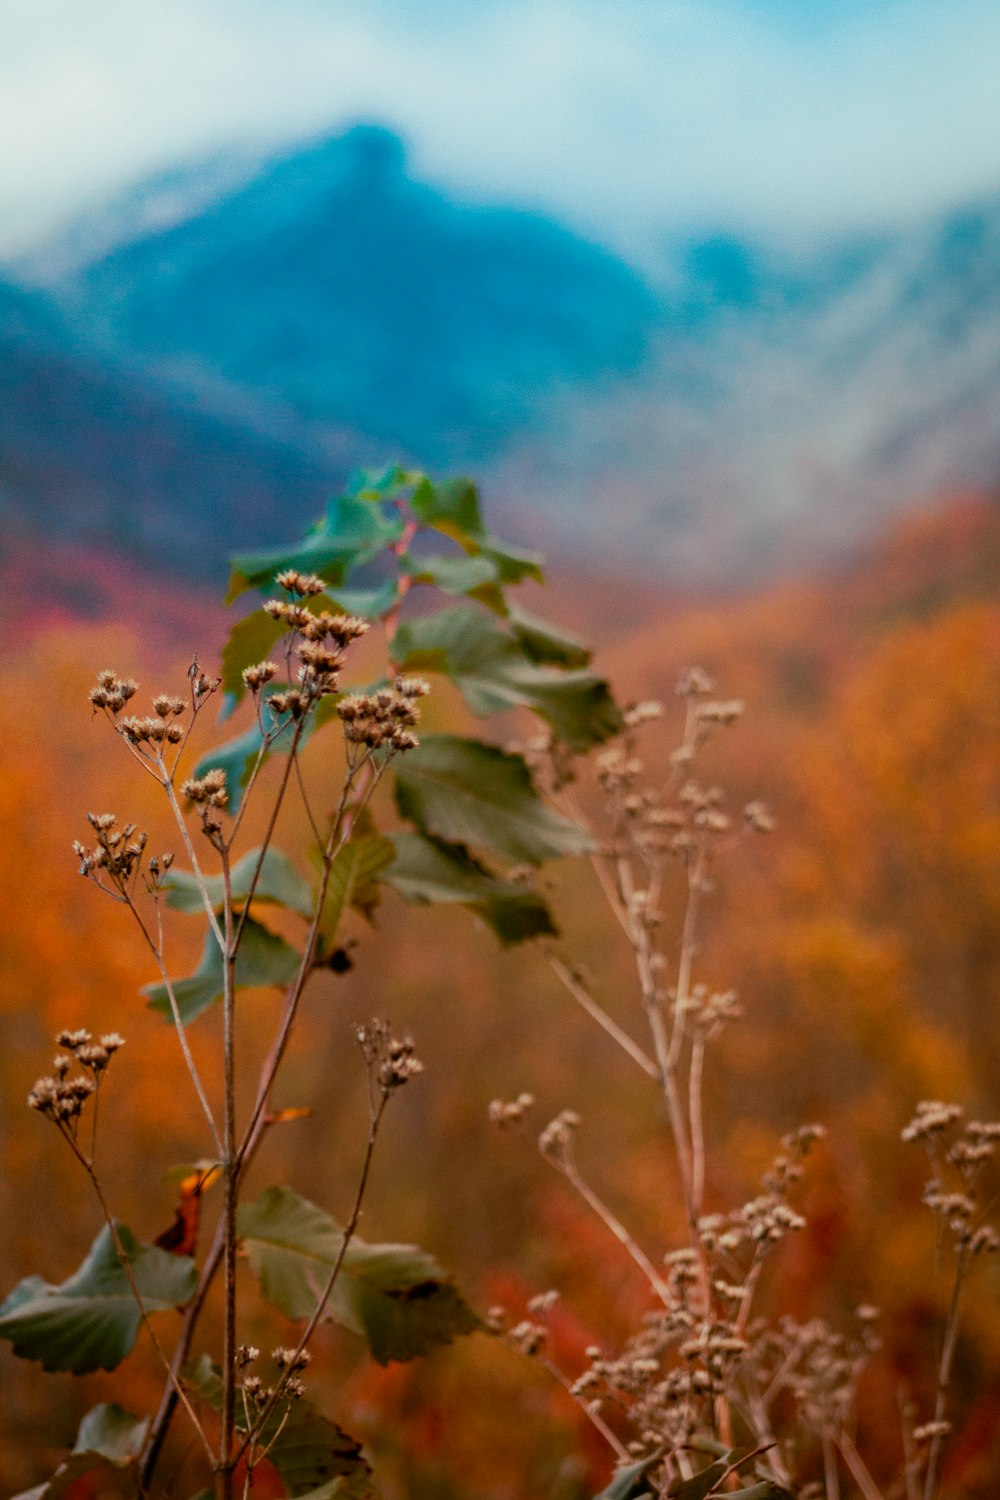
795, 119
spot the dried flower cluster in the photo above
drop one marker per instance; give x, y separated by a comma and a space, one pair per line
385, 718
61, 1097
704, 1368
391, 1060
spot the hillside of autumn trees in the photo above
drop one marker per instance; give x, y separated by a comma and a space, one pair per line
863, 938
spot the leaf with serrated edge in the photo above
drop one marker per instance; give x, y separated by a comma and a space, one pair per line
396, 1296
310, 1452
354, 877
468, 792
90, 1322
279, 882
495, 671
430, 871
545, 642
263, 960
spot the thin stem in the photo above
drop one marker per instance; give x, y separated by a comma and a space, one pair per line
831, 1474
696, 1123
331, 1281
597, 1012
126, 1266
269, 832
339, 833
948, 1344
156, 948
567, 1166
594, 1417
206, 899
231, 1192
859, 1469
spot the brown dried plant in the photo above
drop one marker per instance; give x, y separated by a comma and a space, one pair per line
709, 1397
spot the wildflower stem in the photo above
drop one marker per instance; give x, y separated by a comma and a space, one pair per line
948, 1343
859, 1469
583, 998
375, 1120
593, 1417
156, 948
126, 1266
230, 1191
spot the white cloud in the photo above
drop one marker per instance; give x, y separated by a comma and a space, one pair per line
621, 117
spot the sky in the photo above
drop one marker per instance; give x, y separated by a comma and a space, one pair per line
796, 120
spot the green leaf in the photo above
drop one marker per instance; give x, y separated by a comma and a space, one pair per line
699, 1485
112, 1432
319, 553
396, 1296
373, 603
263, 960
90, 1322
312, 1454
389, 483
467, 792
352, 531
453, 575
354, 877
279, 883
250, 641
491, 669
513, 564
428, 870
630, 1483
451, 507
547, 643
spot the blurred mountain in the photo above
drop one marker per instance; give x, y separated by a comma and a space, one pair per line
96, 456
272, 325
347, 294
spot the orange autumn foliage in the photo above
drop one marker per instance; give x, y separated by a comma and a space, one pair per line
864, 938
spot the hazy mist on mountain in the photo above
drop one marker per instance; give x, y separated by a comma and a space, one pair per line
257, 329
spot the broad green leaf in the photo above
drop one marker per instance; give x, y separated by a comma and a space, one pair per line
451, 507
319, 553
547, 643
279, 883
373, 603
310, 1452
630, 1483
263, 960
251, 640
354, 877
395, 1296
428, 870
112, 1432
389, 483
90, 1321
363, 522
453, 575
490, 667
513, 564
467, 792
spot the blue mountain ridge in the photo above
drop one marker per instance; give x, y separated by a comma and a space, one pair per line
306, 314
357, 298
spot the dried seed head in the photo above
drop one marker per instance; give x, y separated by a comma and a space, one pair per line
300, 583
